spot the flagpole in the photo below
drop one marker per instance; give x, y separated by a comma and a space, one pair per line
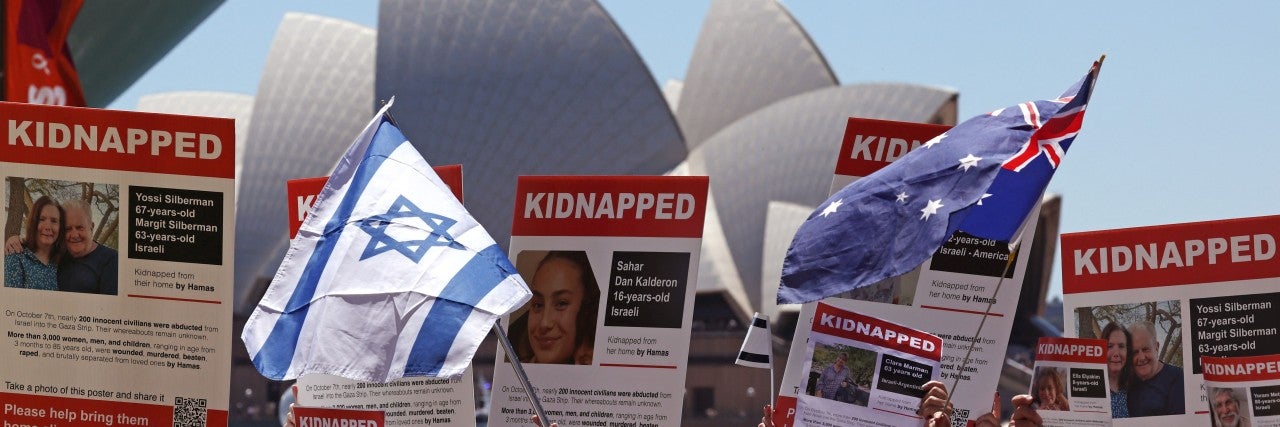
987, 313
773, 397
524, 378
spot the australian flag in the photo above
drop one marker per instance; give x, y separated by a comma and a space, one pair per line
389, 275
982, 177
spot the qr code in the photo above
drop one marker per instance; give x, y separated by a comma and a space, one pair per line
188, 412
961, 418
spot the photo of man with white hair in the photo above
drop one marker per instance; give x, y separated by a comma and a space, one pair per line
1225, 408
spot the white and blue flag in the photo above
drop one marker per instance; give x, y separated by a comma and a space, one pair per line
388, 277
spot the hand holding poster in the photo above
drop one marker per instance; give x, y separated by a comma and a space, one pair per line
1070, 384
865, 371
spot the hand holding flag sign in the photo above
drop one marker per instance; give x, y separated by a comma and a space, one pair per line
388, 277
981, 177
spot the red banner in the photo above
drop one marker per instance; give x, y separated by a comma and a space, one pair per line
621, 206
302, 193
870, 145
118, 140
312, 416
1178, 254
1241, 369
39, 68
1080, 350
34, 409
847, 324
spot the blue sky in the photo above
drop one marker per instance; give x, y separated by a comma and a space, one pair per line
1179, 129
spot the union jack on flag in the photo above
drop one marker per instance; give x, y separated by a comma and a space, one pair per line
1022, 178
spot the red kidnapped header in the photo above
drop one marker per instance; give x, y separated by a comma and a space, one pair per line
1080, 350
314, 416
847, 324
302, 193
1236, 369
1179, 254
623, 206
38, 64
872, 144
118, 140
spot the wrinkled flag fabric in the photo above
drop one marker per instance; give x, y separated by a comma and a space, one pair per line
981, 177
388, 277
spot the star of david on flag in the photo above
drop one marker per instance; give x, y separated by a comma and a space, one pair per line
380, 241
389, 276
981, 177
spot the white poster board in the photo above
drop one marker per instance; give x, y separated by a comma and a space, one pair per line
615, 352
132, 326
1182, 291
864, 371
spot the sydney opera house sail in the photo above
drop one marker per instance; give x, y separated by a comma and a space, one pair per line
535, 87
315, 96
786, 152
749, 54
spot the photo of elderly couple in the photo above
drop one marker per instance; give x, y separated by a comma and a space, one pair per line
1144, 355
61, 235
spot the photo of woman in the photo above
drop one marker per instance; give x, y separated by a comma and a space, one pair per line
559, 323
1119, 367
36, 267
1049, 392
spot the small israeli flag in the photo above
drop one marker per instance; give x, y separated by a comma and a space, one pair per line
757, 348
388, 277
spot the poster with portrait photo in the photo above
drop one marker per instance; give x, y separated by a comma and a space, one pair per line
1173, 293
612, 263
1242, 391
864, 371
1069, 383
118, 301
947, 295
68, 232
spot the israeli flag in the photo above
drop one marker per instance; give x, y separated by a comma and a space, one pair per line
757, 349
388, 277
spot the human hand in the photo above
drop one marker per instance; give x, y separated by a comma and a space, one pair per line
289, 420
991, 419
538, 422
1023, 414
767, 419
12, 245
935, 400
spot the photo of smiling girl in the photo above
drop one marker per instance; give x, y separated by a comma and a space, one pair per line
558, 325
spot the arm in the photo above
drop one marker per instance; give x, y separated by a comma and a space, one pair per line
822, 383
12, 245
